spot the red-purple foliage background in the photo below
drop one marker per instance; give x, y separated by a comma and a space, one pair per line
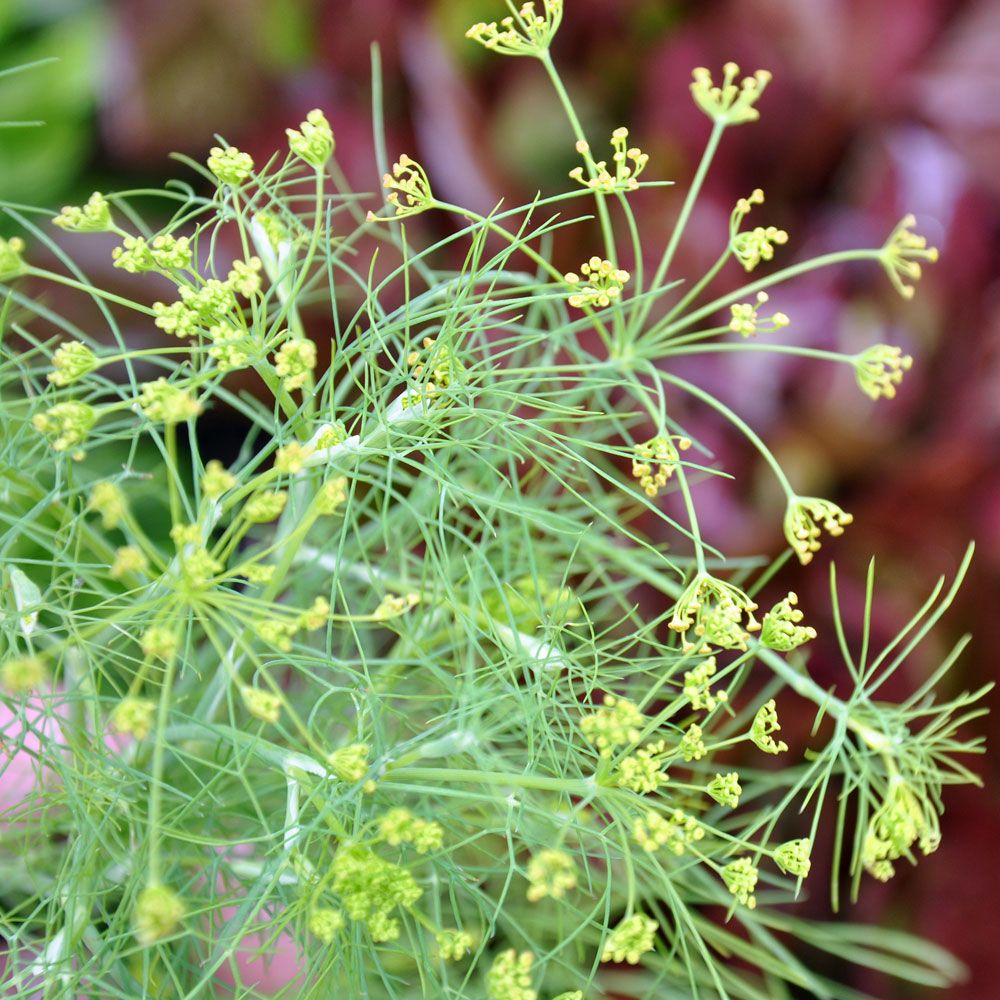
876, 109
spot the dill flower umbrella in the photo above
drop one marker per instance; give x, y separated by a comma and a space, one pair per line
368, 705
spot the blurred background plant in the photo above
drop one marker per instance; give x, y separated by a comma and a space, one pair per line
881, 109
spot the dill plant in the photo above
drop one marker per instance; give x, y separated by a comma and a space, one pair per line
378, 691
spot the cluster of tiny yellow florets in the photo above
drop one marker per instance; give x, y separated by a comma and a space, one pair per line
229, 165
792, 857
409, 187
157, 913
550, 873
600, 285
901, 256
654, 461
66, 424
805, 520
880, 369
313, 140
350, 763
454, 945
162, 253
94, 216
675, 832
764, 724
294, 362
263, 705
11, 262
133, 716
617, 723
629, 163
711, 612
697, 686
436, 365
325, 923
630, 940
746, 321
71, 362
780, 628
641, 772
21, 674
725, 789
371, 888
528, 33
164, 402
750, 247
128, 559
729, 103
741, 877
899, 822
400, 826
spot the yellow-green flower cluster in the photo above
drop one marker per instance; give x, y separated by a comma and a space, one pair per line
509, 977
746, 321
294, 362
71, 362
740, 877
163, 402
66, 424
11, 262
654, 461
880, 369
229, 165
527, 33
216, 480
901, 256
805, 519
601, 284
454, 945
629, 161
675, 832
350, 763
630, 940
264, 506
765, 723
263, 705
899, 823
92, 217
392, 606
780, 628
128, 559
617, 723
162, 253
370, 888
792, 857
198, 569
107, 499
325, 923
725, 789
698, 686
409, 187
550, 873
313, 140
692, 744
158, 911
21, 674
712, 612
159, 642
641, 772
133, 716
439, 367
757, 244
729, 104
400, 826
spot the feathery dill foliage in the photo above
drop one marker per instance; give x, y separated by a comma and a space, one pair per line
381, 684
